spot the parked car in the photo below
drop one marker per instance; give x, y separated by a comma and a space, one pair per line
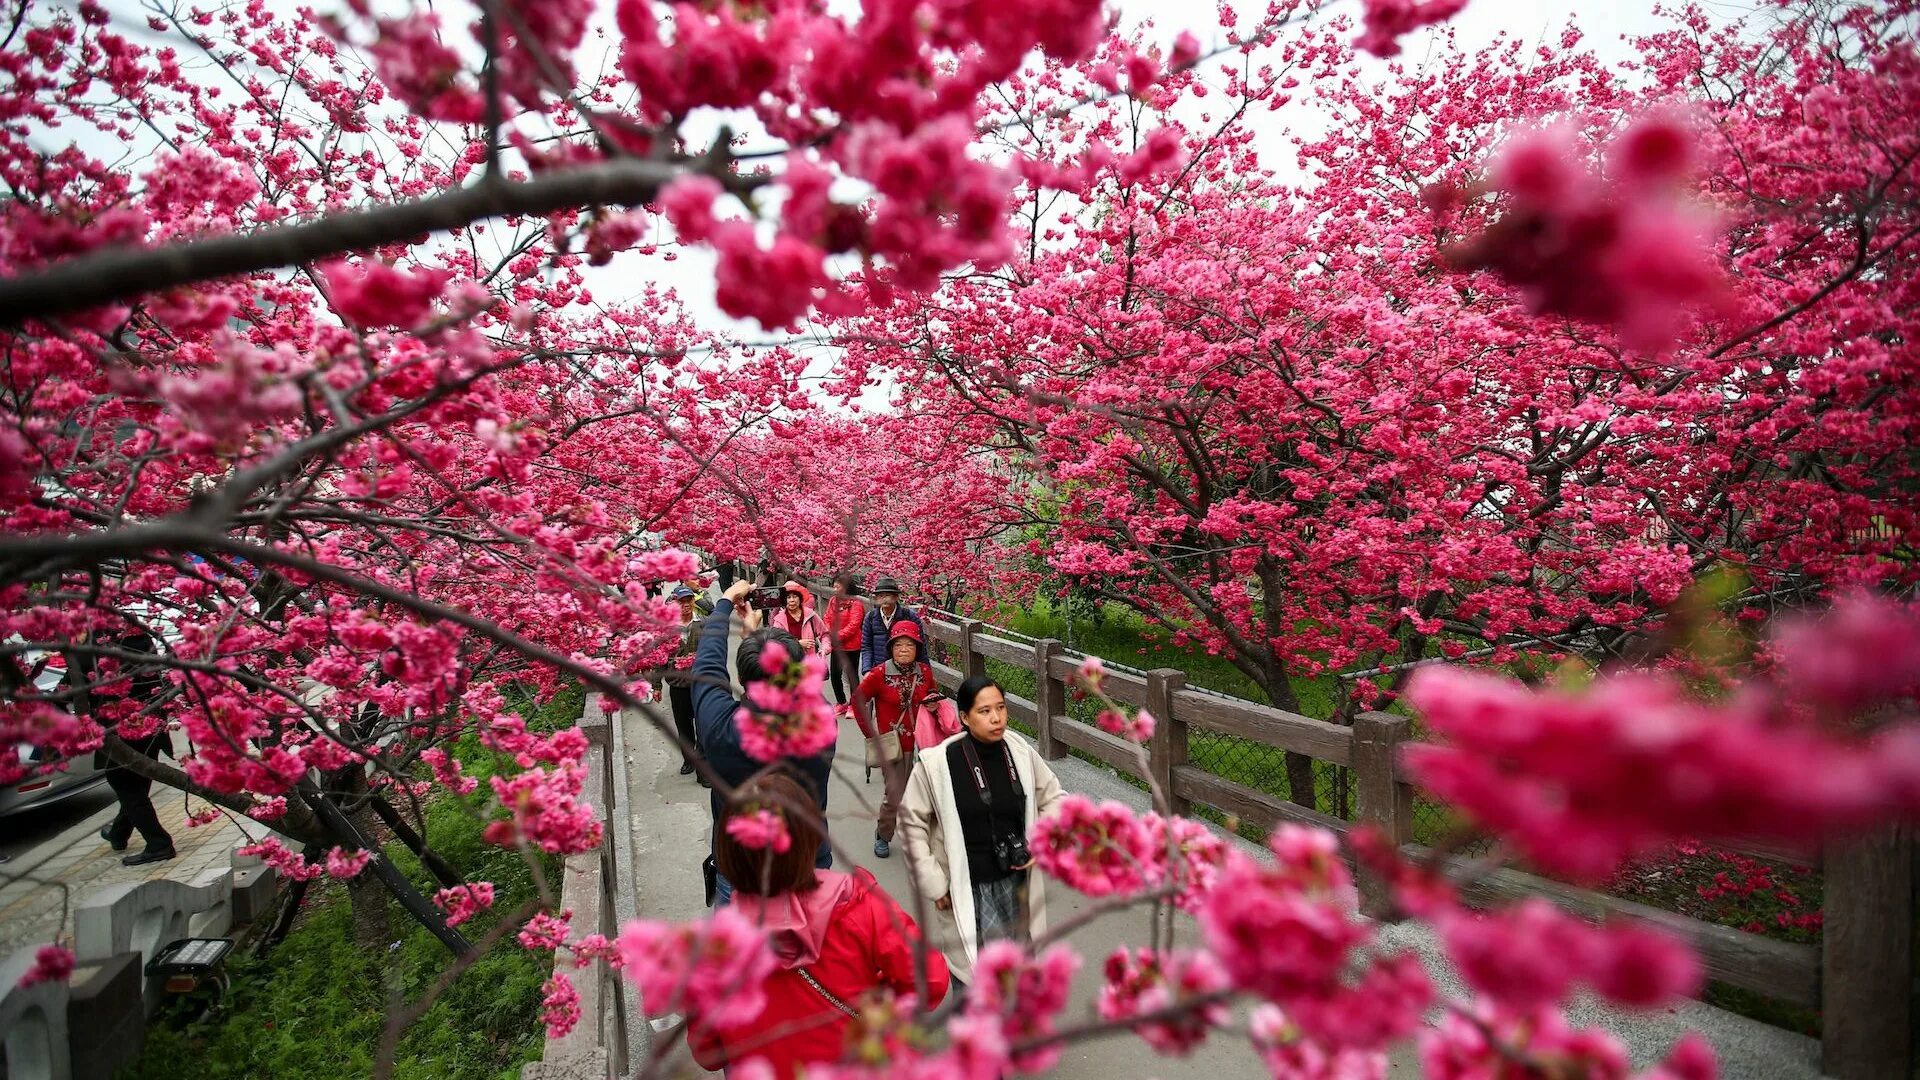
34, 791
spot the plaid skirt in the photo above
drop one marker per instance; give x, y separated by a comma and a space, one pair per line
1000, 910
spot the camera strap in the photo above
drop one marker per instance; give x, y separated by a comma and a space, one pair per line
979, 774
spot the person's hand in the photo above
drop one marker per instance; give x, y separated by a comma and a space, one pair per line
945, 903
1028, 865
738, 591
751, 619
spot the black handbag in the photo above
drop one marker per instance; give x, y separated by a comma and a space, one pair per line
709, 876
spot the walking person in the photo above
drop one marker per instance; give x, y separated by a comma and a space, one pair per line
845, 614
837, 938
968, 807
133, 791
715, 708
679, 680
886, 700
877, 629
799, 618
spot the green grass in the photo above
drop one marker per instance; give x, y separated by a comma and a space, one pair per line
314, 1007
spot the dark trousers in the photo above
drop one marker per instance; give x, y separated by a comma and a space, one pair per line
681, 698
845, 673
136, 810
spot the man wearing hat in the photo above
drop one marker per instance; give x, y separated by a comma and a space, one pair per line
877, 630
679, 681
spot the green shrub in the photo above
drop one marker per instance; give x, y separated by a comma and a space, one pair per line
315, 1006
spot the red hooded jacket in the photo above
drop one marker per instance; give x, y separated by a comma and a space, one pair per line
844, 616
866, 942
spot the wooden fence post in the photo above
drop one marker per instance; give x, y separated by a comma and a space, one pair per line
1049, 698
1167, 748
972, 662
1380, 799
1866, 956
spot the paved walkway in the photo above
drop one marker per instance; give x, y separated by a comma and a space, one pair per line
666, 824
40, 887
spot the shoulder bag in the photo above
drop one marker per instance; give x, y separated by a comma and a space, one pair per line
884, 748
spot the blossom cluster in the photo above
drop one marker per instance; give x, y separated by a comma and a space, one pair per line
1105, 849
1623, 249
786, 714
709, 971
1579, 782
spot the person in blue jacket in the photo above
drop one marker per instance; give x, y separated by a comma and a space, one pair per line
714, 706
877, 631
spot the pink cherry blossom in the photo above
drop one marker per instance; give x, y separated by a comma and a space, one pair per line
463, 902
343, 864
374, 294
546, 931
1387, 21
1024, 994
560, 1005
51, 963
760, 829
1098, 849
709, 971
1142, 981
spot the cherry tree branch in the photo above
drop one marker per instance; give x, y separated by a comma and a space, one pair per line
119, 273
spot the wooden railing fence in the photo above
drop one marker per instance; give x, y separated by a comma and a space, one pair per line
1860, 977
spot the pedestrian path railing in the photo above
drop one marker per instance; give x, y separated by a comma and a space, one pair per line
1860, 977
592, 886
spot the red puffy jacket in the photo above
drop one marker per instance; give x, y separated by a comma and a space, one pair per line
844, 616
868, 944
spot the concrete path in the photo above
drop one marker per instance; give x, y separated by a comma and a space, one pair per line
41, 885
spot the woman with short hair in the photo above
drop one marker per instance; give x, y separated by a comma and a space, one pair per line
968, 808
838, 937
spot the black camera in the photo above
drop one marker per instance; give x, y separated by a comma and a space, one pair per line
771, 598
1010, 852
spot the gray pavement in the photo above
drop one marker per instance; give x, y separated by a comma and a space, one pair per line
57, 858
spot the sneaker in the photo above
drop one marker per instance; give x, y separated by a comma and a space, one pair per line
881, 848
703, 781
686, 768
106, 833
147, 856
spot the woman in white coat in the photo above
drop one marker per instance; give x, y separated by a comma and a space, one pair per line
965, 817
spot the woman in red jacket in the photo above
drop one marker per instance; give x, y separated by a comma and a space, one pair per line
845, 614
887, 699
839, 938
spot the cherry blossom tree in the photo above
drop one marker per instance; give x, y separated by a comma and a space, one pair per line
886, 493
1404, 405
305, 379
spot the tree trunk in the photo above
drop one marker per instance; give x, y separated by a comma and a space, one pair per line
371, 930
1300, 785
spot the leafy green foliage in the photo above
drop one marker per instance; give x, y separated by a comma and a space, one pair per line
315, 1006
